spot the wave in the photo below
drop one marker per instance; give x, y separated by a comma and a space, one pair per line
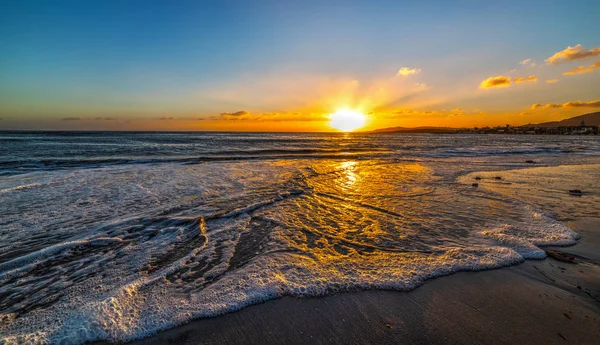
21, 187
15, 167
226, 236
142, 304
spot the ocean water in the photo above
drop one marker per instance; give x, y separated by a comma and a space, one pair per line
116, 236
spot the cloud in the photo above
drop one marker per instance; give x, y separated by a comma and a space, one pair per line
498, 81
71, 118
524, 79
408, 113
571, 54
525, 113
105, 118
583, 69
576, 104
292, 117
237, 113
167, 118
271, 117
552, 81
502, 81
525, 62
401, 112
406, 71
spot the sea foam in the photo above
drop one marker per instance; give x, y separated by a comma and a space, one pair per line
151, 247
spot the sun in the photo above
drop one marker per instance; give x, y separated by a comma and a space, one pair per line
347, 120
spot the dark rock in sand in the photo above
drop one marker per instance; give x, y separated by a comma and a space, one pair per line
475, 185
498, 178
567, 257
530, 161
478, 178
577, 192
562, 256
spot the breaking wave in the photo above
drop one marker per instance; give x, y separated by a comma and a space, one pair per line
119, 253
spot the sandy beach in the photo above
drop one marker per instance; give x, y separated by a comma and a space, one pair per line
539, 301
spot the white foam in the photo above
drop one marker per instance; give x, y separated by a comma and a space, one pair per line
137, 274
18, 188
25, 263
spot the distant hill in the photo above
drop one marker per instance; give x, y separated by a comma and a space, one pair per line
591, 119
423, 129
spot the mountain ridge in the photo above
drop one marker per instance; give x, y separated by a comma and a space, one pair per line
590, 119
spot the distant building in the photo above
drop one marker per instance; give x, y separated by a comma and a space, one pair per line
582, 129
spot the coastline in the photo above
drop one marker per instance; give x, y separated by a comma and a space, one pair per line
538, 301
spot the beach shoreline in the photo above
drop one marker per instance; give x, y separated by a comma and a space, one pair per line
538, 301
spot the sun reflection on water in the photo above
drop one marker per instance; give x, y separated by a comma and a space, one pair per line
349, 173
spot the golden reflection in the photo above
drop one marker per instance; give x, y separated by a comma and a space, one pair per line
349, 173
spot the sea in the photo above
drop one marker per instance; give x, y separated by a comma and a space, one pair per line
116, 236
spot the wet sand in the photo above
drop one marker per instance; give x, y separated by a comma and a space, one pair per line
537, 302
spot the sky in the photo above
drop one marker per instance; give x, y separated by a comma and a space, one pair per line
288, 65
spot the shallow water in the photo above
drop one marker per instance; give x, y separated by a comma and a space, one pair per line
119, 235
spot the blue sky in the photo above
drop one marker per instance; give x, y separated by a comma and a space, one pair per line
146, 60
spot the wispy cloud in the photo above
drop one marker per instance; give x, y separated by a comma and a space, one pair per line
575, 104
527, 62
549, 105
270, 117
524, 79
71, 118
498, 81
237, 113
105, 118
406, 71
552, 81
291, 117
457, 112
571, 54
583, 69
